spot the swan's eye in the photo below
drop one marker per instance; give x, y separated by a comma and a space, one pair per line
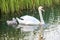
21, 18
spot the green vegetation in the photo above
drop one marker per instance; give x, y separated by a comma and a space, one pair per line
7, 6
14, 8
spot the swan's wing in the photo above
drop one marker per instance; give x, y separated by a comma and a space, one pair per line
30, 19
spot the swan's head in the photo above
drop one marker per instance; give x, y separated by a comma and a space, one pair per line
40, 8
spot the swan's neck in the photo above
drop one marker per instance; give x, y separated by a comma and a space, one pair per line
41, 17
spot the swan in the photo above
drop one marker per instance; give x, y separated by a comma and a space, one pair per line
30, 19
11, 22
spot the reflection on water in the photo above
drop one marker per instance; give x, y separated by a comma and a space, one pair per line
16, 33
30, 31
53, 32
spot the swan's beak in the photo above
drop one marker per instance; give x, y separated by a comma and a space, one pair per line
43, 10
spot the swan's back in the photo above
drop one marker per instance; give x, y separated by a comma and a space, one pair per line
30, 18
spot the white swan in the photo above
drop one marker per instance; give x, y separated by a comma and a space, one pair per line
11, 22
32, 20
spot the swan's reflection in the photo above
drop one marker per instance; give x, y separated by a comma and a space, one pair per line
30, 30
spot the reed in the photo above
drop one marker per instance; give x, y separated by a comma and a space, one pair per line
12, 6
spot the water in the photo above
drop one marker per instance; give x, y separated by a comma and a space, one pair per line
53, 33
51, 18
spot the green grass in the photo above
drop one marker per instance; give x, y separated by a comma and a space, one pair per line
12, 8
15, 5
